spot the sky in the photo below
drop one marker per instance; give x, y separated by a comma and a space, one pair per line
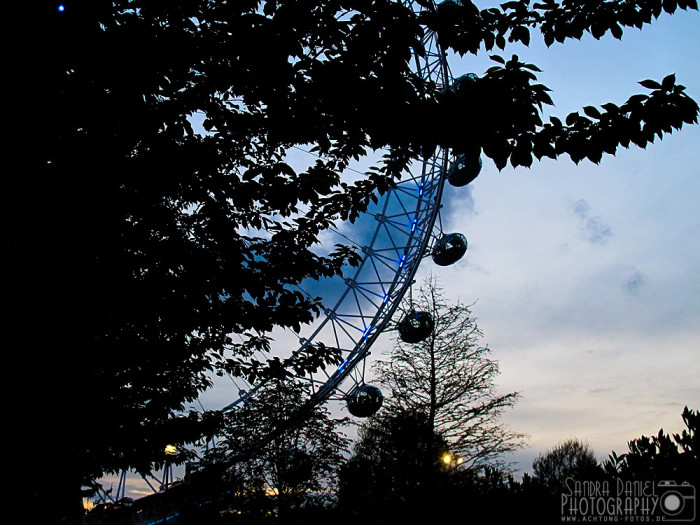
584, 278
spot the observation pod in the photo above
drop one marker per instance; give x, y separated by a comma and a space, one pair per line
415, 326
464, 83
464, 170
449, 249
364, 401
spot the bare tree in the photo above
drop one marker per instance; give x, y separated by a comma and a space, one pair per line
449, 377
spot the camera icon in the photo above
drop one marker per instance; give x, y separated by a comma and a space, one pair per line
677, 502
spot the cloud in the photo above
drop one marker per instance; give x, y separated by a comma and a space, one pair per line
593, 228
634, 283
602, 390
458, 203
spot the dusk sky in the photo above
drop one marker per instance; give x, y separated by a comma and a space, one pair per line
585, 278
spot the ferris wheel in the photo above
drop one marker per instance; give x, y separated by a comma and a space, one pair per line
404, 229
393, 237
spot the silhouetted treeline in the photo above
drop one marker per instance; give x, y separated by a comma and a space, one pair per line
397, 474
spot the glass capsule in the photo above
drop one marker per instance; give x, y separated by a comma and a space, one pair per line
464, 170
364, 401
415, 327
449, 249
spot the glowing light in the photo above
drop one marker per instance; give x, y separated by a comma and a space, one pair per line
61, 8
446, 459
460, 461
170, 450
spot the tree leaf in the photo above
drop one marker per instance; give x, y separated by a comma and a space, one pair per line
668, 82
650, 84
616, 31
591, 112
572, 118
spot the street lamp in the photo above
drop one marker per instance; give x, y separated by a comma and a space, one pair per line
452, 461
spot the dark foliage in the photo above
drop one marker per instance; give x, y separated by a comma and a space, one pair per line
397, 474
491, 495
395, 469
572, 459
662, 457
296, 470
136, 244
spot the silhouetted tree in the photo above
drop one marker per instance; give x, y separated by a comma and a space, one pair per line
397, 473
570, 459
138, 244
296, 469
663, 457
449, 377
395, 470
